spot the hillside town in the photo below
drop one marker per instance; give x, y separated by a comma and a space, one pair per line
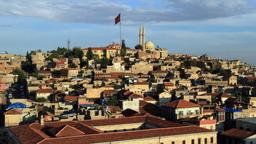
117, 94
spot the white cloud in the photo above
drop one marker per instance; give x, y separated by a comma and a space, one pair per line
103, 11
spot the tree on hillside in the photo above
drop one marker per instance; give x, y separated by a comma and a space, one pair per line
21, 75
61, 51
138, 47
27, 65
89, 54
123, 49
77, 53
104, 62
105, 53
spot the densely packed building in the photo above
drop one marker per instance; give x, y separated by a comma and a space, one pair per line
115, 94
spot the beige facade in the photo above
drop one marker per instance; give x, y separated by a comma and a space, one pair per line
141, 67
95, 93
253, 101
185, 82
232, 80
164, 97
199, 138
13, 119
133, 104
139, 88
214, 82
8, 78
38, 58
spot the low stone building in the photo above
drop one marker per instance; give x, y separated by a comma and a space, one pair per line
137, 129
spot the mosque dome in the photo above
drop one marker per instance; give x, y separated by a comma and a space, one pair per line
150, 45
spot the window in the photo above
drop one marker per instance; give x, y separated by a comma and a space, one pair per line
205, 141
180, 113
211, 139
96, 113
199, 141
189, 112
183, 142
173, 142
192, 141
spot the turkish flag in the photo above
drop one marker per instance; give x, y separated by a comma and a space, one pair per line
118, 19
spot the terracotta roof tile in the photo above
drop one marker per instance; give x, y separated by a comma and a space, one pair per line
238, 133
149, 98
64, 131
13, 112
181, 104
71, 98
29, 137
45, 90
128, 135
72, 131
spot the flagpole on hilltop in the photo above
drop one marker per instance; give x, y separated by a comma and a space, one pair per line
120, 30
118, 20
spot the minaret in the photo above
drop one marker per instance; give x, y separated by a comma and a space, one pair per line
142, 37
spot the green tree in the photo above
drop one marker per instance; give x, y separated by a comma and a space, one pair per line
105, 53
52, 56
21, 75
89, 54
27, 65
41, 99
112, 101
123, 49
138, 47
77, 53
104, 62
61, 51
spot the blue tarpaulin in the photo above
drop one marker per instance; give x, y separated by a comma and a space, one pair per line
16, 105
231, 110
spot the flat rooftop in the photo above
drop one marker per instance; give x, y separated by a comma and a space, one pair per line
248, 120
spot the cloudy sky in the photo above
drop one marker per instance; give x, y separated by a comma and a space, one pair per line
220, 28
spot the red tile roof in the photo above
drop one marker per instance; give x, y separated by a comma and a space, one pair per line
135, 96
205, 122
115, 121
168, 84
181, 104
238, 133
44, 91
127, 135
64, 131
71, 98
251, 78
149, 98
26, 135
35, 133
13, 112
96, 48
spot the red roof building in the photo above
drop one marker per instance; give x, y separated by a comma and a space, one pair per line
139, 129
180, 109
181, 104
